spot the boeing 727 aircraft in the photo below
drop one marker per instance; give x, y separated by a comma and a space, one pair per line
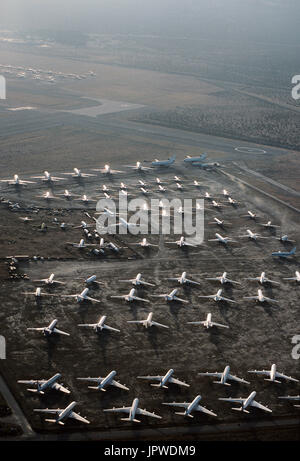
148, 322
62, 414
132, 411
284, 254
99, 326
138, 280
273, 374
223, 279
164, 380
218, 297
50, 329
247, 402
165, 163
41, 385
183, 280
103, 382
261, 298
190, 407
208, 323
130, 297
225, 376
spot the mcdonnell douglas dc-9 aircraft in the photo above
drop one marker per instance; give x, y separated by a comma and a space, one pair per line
62, 414
99, 326
132, 411
164, 380
80, 297
190, 407
50, 280
108, 380
247, 402
41, 385
224, 376
273, 374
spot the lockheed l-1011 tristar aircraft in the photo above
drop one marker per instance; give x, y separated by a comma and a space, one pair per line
261, 298
129, 297
62, 414
224, 376
208, 323
262, 279
273, 374
183, 280
190, 407
50, 329
296, 278
223, 279
164, 380
138, 280
99, 326
132, 411
148, 322
171, 296
108, 380
16, 181
247, 402
218, 297
50, 280
80, 297
48, 177
221, 239
41, 385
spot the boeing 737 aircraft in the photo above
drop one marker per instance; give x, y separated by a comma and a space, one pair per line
99, 326
190, 407
148, 322
164, 380
225, 376
62, 414
108, 380
247, 402
273, 374
132, 411
166, 163
41, 385
208, 323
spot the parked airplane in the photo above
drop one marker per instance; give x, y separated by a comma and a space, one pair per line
296, 278
81, 244
25, 219
92, 280
199, 158
144, 243
67, 194
252, 235
48, 196
232, 201
107, 170
284, 254
41, 385
48, 177
148, 322
139, 167
219, 222
221, 239
99, 326
138, 281
85, 199
218, 297
285, 239
269, 225
225, 376
190, 407
247, 402
80, 297
170, 296
261, 298
225, 193
216, 204
37, 293
183, 280
208, 323
50, 329
223, 279
250, 215
62, 414
76, 173
131, 297
273, 374
132, 411
262, 279
166, 163
292, 398
182, 243
108, 380
164, 380
196, 183
50, 280
16, 181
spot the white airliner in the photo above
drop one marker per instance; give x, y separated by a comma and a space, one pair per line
252, 235
250, 215
148, 322
144, 191
223, 279
85, 199
296, 278
221, 239
182, 243
208, 323
190, 407
76, 173
219, 222
50, 329
37, 293
139, 167
48, 196
183, 280
261, 298
164, 163
232, 201
92, 279
262, 279
285, 239
81, 244
247, 402
161, 188
292, 398
171, 296
225, 193
132, 411
80, 297
144, 243
138, 280
273, 374
99, 326
131, 297
50, 280
107, 170
179, 186
67, 194
108, 380
164, 380
225, 376
216, 204
218, 297
269, 225
62, 414
208, 195
16, 181
48, 177
83, 225
41, 385
196, 183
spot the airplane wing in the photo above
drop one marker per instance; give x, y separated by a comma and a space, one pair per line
121, 409
151, 378
260, 372
250, 297
37, 329
139, 411
55, 330
205, 410
177, 381
117, 384
78, 417
58, 281
229, 399
92, 299
119, 296
208, 296
239, 380
217, 375
179, 299
176, 404
59, 387
213, 278
260, 406
289, 378
106, 327
32, 382
272, 300
219, 325
135, 321
192, 282
47, 410
87, 324
159, 325
228, 300
197, 323
136, 298
147, 283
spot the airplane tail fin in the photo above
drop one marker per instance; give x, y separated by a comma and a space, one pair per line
183, 414
220, 382
128, 419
